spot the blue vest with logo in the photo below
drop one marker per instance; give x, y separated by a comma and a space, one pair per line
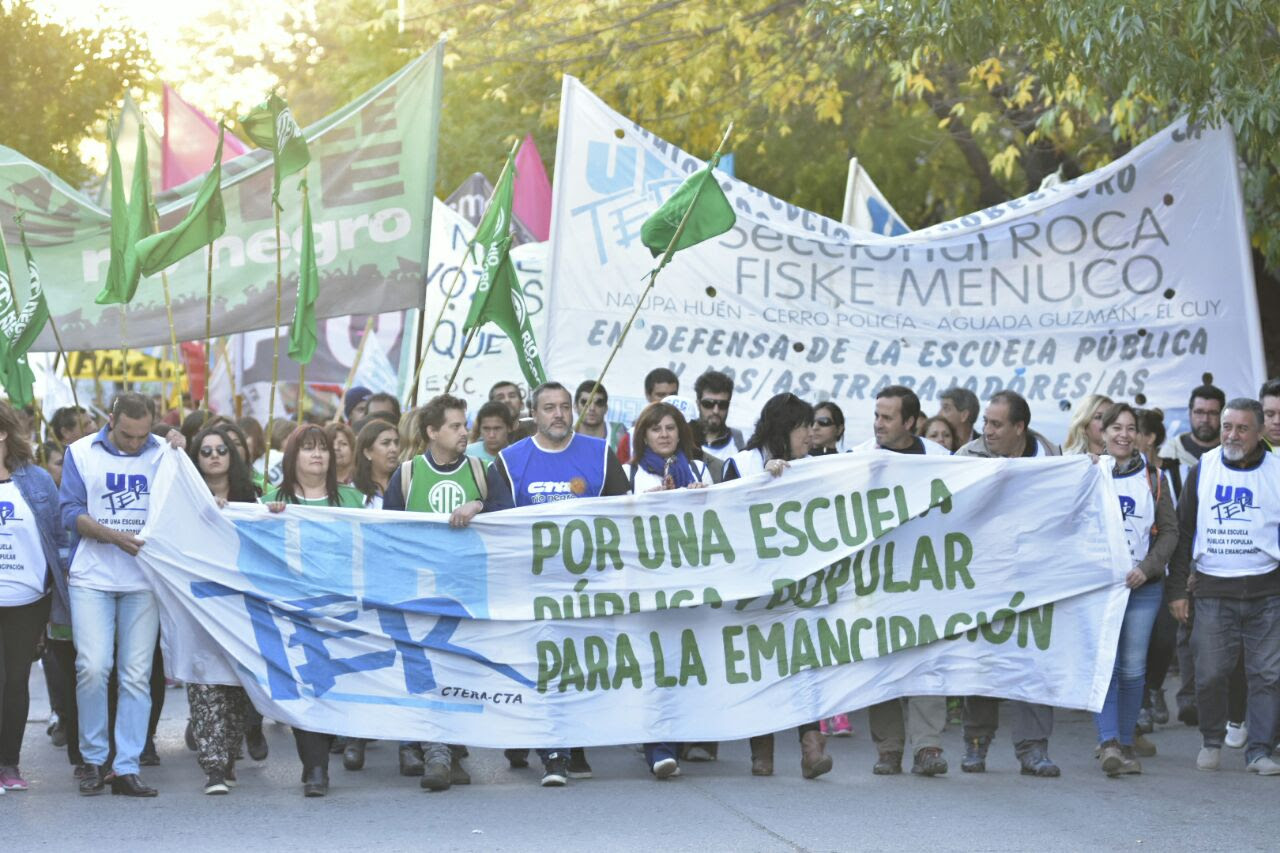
540, 476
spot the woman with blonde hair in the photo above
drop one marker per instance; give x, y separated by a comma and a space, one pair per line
1084, 433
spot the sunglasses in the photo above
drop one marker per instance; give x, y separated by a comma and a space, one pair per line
823, 422
207, 452
597, 403
722, 405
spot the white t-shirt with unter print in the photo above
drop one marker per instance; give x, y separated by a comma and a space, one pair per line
24, 574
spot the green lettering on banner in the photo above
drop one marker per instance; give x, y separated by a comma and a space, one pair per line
801, 544
772, 647
859, 625
608, 537
802, 653
660, 677
628, 666
649, 558
732, 655
762, 532
683, 540
691, 659
546, 543
902, 633
855, 537
578, 530
877, 516
715, 542
959, 553
833, 644
891, 585
939, 496
596, 654
548, 663
571, 674
809, 528
925, 565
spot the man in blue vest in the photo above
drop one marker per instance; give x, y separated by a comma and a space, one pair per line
105, 495
553, 464
1229, 534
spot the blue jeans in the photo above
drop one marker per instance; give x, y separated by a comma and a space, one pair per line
655, 752
1223, 627
127, 623
1119, 715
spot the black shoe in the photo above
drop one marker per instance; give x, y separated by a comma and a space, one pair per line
131, 785
411, 760
1189, 715
578, 766
229, 774
436, 776
1146, 722
1159, 710
888, 764
353, 755
215, 783
149, 756
517, 758
555, 771
315, 782
1036, 762
337, 746
256, 742
91, 781
975, 755
929, 762
58, 734
189, 736
80, 772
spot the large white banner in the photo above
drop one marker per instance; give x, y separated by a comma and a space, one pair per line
725, 612
1134, 281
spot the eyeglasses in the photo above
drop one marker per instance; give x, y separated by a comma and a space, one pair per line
823, 422
597, 403
722, 405
207, 452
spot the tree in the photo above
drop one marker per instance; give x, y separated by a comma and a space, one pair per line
61, 84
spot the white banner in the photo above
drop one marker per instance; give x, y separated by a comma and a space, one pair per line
866, 208
719, 613
1133, 281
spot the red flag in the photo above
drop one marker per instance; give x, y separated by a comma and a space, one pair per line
197, 369
190, 140
532, 201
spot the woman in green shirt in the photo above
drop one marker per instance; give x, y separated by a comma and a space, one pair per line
310, 473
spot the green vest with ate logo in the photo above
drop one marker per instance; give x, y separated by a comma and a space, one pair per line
433, 490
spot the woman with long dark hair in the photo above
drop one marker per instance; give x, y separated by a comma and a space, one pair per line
828, 429
343, 440
377, 457
782, 434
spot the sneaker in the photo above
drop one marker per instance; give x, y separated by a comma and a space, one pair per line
929, 762
1146, 723
149, 756
700, 752
840, 726
1112, 758
1159, 710
1264, 765
11, 779
1209, 758
578, 766
824, 726
555, 772
665, 768
215, 783
1237, 735
58, 734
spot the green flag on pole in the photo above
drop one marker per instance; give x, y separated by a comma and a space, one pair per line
498, 298
205, 222
18, 330
129, 223
271, 125
302, 331
700, 204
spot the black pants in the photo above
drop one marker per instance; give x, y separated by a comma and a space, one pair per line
20, 629
63, 653
313, 748
1164, 640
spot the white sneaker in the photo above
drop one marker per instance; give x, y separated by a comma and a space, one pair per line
1208, 758
1264, 765
668, 767
1237, 735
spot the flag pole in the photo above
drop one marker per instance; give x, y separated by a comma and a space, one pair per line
652, 276
449, 294
355, 367
275, 336
208, 313
22, 233
66, 362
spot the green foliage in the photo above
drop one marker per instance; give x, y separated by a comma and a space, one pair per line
61, 84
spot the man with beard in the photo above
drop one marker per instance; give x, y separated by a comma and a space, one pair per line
714, 390
1229, 520
1184, 450
553, 464
1269, 396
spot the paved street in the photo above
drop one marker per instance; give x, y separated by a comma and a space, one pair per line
716, 806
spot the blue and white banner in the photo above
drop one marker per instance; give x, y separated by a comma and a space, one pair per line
712, 613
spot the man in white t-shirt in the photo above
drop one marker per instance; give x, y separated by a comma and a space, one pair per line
105, 495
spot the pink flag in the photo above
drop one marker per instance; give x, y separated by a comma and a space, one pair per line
190, 139
532, 201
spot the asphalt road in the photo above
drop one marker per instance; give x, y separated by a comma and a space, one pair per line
714, 806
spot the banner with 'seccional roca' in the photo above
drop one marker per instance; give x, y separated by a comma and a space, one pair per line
694, 614
1134, 281
371, 178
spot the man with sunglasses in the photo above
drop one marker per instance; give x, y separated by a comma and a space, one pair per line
714, 391
592, 416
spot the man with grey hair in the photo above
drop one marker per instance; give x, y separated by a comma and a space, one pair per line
1229, 525
960, 409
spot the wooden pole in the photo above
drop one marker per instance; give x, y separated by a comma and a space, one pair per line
355, 367
275, 341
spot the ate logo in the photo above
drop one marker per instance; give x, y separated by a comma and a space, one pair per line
125, 492
446, 496
1233, 503
8, 513
1128, 507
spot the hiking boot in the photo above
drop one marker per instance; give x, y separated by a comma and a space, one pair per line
814, 760
888, 764
437, 775
458, 774
975, 755
1143, 746
578, 766
1131, 766
353, 755
1112, 758
1036, 762
929, 762
411, 763
762, 755
1159, 710
256, 742
1145, 721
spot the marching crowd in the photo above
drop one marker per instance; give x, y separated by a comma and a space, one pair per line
1201, 512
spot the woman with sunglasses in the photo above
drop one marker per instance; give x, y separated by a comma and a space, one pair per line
377, 457
309, 478
828, 429
219, 712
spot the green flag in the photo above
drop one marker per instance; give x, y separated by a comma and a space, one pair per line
129, 223
271, 125
205, 222
15, 374
302, 331
35, 313
701, 200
